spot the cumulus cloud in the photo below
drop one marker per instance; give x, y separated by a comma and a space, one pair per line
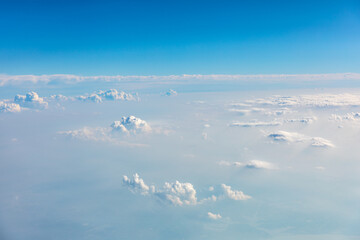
30, 100
178, 193
214, 216
9, 107
137, 184
291, 137
234, 194
58, 97
110, 95
131, 125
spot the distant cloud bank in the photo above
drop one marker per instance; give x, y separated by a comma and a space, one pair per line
71, 79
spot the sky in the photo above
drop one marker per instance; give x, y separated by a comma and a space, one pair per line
179, 37
179, 120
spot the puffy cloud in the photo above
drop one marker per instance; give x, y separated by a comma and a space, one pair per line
136, 184
283, 136
9, 107
132, 125
177, 193
214, 216
30, 100
111, 95
234, 194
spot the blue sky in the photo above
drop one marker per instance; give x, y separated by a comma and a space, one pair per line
177, 37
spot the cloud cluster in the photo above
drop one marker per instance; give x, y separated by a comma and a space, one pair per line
9, 107
131, 125
110, 95
178, 193
354, 116
276, 122
291, 137
30, 100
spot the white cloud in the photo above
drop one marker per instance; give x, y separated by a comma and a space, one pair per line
234, 194
110, 95
30, 100
255, 164
306, 120
256, 123
132, 125
177, 193
354, 116
58, 97
291, 137
98, 134
9, 107
315, 100
214, 216
137, 184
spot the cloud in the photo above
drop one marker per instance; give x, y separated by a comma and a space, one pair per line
253, 164
110, 95
178, 193
9, 107
58, 97
214, 216
137, 184
255, 123
234, 194
73, 79
30, 100
131, 125
306, 120
291, 137
98, 134
315, 100
354, 116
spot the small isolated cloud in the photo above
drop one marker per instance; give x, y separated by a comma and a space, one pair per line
171, 92
214, 216
131, 125
306, 120
233, 194
9, 107
253, 164
291, 137
30, 100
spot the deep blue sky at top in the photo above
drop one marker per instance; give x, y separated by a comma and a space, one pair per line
176, 37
